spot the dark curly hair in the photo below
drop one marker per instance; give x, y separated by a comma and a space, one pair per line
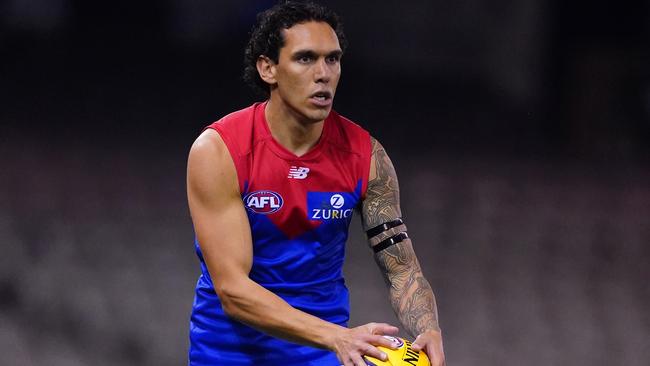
267, 37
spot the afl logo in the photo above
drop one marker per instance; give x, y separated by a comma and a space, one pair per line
263, 202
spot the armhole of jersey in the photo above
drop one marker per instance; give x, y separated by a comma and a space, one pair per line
365, 161
234, 154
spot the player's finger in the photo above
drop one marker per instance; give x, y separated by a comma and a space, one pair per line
358, 361
372, 351
347, 361
378, 340
383, 328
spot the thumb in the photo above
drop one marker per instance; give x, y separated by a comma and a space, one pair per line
418, 344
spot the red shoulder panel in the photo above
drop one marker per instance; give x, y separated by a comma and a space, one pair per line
349, 136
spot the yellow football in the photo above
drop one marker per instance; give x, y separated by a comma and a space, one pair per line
404, 355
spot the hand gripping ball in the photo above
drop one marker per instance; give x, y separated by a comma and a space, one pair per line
404, 355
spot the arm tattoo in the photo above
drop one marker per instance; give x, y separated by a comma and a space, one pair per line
382, 197
410, 293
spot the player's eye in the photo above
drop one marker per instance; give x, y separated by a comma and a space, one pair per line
305, 59
333, 59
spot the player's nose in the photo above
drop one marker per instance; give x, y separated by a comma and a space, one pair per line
322, 71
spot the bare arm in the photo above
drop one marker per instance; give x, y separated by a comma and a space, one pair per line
223, 231
410, 293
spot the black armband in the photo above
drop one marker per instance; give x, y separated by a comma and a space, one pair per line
395, 239
384, 227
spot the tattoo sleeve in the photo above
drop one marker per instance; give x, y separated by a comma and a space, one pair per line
410, 294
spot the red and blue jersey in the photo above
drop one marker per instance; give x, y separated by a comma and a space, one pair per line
299, 210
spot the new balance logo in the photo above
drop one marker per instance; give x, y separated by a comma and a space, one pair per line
298, 172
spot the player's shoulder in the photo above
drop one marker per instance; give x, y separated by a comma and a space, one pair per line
216, 138
208, 145
210, 163
210, 169
347, 133
346, 123
236, 120
237, 129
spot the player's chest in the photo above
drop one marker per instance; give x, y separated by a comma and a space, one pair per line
301, 195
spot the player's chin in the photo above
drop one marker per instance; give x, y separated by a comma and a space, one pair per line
318, 114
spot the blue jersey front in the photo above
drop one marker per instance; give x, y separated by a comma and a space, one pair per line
299, 210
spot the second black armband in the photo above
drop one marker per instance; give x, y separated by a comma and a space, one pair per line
395, 239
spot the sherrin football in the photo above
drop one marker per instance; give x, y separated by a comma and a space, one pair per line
404, 355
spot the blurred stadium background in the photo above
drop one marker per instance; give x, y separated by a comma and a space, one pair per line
520, 131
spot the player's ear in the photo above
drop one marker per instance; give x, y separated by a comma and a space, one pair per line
266, 69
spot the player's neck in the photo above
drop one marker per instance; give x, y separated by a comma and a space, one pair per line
287, 128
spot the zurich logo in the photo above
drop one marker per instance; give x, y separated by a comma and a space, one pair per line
330, 205
263, 202
337, 201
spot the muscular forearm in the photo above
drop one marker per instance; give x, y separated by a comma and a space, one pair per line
415, 306
252, 304
410, 293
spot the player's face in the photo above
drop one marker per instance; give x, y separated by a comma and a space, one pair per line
308, 70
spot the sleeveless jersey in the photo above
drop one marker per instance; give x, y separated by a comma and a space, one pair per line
299, 210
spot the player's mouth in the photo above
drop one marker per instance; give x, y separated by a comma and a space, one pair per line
321, 98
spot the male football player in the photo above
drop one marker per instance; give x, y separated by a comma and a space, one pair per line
271, 191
